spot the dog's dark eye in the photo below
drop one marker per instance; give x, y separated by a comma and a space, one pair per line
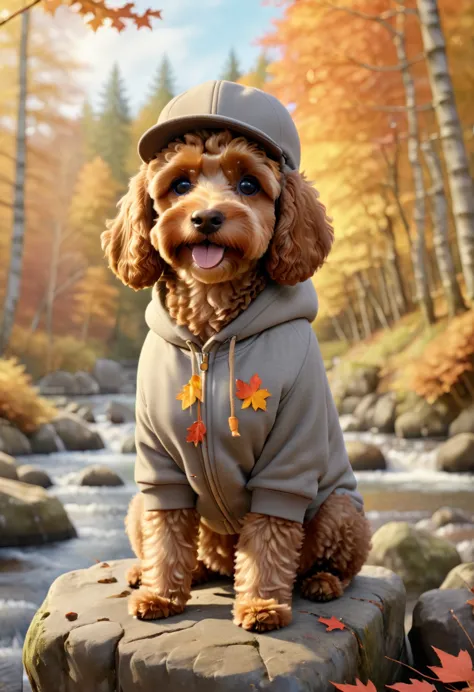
248, 186
181, 186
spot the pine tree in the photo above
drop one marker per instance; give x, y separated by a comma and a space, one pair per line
259, 76
232, 71
89, 131
113, 127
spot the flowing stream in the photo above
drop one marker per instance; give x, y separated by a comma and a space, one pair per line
409, 490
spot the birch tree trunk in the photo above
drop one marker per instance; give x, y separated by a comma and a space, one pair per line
363, 302
443, 252
395, 271
53, 278
461, 183
340, 333
419, 214
12, 293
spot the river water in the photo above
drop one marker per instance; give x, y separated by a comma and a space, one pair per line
98, 514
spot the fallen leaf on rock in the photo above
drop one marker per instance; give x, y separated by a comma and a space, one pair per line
123, 594
71, 616
103, 619
453, 668
368, 600
413, 686
332, 624
359, 686
105, 564
107, 580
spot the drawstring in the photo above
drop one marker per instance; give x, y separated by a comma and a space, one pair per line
233, 420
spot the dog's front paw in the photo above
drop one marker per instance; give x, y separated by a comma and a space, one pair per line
147, 605
261, 615
134, 576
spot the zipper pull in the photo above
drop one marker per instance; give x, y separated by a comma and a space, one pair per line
205, 362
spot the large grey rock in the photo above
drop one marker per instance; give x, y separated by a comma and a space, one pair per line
87, 414
86, 384
422, 421
450, 515
110, 376
422, 560
201, 650
12, 440
75, 433
348, 405
364, 411
99, 475
45, 440
8, 467
59, 382
29, 516
434, 625
365, 457
34, 476
363, 380
117, 412
383, 415
460, 577
128, 445
457, 454
464, 423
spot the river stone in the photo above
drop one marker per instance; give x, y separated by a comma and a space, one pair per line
116, 412
75, 433
109, 375
202, 650
12, 440
45, 440
450, 515
29, 516
348, 405
34, 476
422, 560
460, 577
86, 384
363, 380
457, 454
128, 445
434, 625
464, 423
86, 413
383, 414
8, 467
363, 412
422, 421
59, 382
99, 475
365, 457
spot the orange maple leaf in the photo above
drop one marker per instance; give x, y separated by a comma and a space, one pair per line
453, 668
359, 686
413, 686
471, 602
332, 624
52, 5
252, 394
196, 432
95, 23
190, 392
144, 20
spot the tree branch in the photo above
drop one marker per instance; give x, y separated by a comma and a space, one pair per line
362, 15
388, 68
20, 11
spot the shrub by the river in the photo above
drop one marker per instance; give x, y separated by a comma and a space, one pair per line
19, 400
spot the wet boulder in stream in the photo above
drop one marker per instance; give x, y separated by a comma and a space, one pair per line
12, 440
8, 467
75, 433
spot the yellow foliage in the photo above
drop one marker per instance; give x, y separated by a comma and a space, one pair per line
19, 400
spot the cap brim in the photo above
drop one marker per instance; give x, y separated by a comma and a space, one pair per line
159, 136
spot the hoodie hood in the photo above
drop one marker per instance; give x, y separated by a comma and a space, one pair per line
274, 306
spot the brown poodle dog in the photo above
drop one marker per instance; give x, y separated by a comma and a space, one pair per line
267, 225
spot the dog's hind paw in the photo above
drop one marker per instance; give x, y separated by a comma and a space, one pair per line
134, 576
261, 615
322, 586
147, 605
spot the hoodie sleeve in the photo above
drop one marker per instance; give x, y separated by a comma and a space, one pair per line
159, 478
304, 458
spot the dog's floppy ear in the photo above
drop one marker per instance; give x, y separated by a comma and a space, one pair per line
126, 242
303, 234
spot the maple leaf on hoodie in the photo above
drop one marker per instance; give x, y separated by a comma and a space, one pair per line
191, 392
252, 394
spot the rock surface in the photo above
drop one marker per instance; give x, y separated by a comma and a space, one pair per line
365, 457
33, 476
59, 382
434, 625
422, 560
29, 516
109, 375
383, 414
45, 440
450, 515
86, 384
117, 412
128, 445
75, 433
364, 411
201, 650
457, 454
8, 467
460, 577
349, 405
422, 421
99, 475
464, 423
12, 440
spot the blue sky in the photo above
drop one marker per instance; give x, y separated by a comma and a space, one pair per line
195, 34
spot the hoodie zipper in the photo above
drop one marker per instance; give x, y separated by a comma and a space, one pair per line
204, 448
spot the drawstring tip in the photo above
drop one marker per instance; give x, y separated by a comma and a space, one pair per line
234, 426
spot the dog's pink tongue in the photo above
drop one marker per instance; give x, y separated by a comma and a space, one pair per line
207, 256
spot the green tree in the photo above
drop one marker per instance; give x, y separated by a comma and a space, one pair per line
232, 71
113, 127
259, 76
89, 131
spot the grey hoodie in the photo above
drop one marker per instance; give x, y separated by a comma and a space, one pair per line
288, 458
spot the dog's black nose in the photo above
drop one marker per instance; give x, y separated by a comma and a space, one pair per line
207, 221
